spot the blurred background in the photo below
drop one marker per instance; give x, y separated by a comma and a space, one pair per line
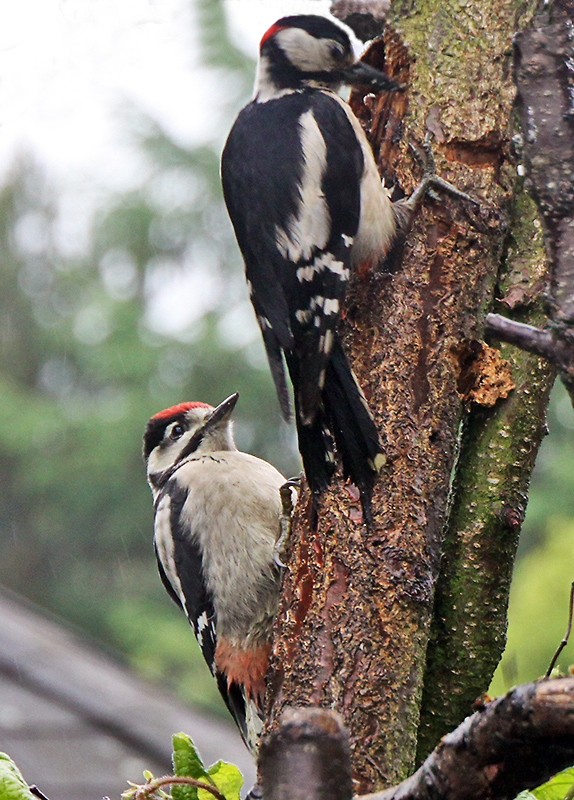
122, 292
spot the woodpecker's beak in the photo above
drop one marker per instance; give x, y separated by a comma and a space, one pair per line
222, 412
365, 75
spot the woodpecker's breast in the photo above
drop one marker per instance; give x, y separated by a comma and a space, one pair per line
377, 225
233, 511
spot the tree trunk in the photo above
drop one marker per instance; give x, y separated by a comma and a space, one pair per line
357, 611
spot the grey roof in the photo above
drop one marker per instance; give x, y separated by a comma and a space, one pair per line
79, 724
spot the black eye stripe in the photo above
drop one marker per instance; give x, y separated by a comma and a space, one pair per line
156, 431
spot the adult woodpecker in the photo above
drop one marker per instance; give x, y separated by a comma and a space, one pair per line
308, 206
218, 515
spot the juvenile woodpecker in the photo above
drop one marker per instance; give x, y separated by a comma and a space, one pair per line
218, 515
308, 206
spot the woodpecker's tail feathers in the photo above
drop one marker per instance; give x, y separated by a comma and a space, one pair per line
316, 446
313, 351
351, 423
345, 417
245, 711
277, 367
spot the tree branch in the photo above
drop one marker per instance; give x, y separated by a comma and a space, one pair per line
548, 343
498, 451
515, 742
544, 85
306, 758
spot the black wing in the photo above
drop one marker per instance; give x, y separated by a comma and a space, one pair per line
180, 567
181, 571
296, 289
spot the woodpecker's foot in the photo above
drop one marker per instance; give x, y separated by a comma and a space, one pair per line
289, 496
404, 209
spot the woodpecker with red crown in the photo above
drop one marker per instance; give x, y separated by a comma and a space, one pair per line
218, 516
307, 205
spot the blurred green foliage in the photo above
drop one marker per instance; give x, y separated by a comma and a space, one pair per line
84, 364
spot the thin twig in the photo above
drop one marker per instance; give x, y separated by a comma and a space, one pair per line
148, 788
34, 789
564, 641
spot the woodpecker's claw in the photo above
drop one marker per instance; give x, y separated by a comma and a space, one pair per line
289, 496
430, 179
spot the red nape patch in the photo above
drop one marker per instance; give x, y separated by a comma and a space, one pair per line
182, 407
271, 32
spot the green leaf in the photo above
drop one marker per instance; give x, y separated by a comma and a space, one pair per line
227, 778
555, 789
187, 763
12, 784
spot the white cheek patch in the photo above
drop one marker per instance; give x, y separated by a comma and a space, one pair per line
265, 88
304, 51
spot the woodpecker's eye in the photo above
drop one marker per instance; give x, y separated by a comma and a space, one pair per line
336, 52
176, 432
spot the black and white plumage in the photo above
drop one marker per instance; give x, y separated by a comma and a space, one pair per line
308, 207
218, 515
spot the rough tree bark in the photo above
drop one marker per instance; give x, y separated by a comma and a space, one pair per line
543, 55
513, 743
362, 627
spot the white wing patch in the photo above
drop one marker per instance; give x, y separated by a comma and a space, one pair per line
309, 228
325, 345
264, 323
202, 622
253, 724
303, 316
377, 222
